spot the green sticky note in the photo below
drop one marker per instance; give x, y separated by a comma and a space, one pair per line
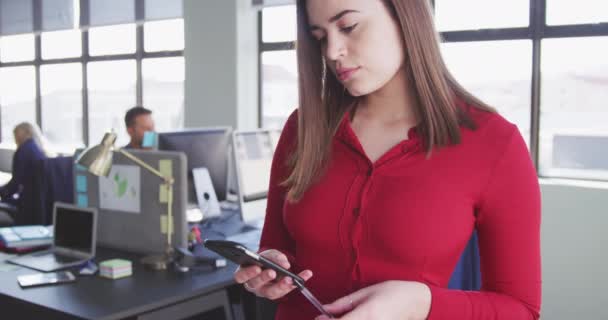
163, 195
166, 167
115, 263
163, 224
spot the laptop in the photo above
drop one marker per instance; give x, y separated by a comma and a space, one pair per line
73, 244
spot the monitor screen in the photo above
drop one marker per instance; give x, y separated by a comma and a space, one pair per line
206, 148
254, 151
74, 229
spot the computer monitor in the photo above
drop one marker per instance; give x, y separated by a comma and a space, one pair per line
132, 207
206, 148
251, 161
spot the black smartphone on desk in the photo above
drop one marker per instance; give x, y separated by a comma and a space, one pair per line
239, 254
44, 279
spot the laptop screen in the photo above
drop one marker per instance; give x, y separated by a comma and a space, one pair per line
74, 229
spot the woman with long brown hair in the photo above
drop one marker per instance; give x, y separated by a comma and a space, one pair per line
385, 170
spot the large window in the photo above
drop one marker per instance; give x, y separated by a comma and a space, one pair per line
17, 48
110, 97
497, 72
541, 63
481, 14
163, 91
574, 108
280, 87
20, 104
89, 76
61, 93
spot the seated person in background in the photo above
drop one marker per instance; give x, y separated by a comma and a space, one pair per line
30, 149
138, 120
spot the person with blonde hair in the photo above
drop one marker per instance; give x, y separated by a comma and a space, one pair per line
30, 150
383, 173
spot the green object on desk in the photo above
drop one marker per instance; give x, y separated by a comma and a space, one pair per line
115, 269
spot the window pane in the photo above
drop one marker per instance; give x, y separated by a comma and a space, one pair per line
61, 44
112, 40
61, 91
17, 99
576, 12
109, 12
111, 94
574, 110
164, 35
164, 91
481, 14
279, 24
497, 72
17, 48
279, 87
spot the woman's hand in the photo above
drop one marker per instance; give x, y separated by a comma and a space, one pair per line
264, 283
386, 300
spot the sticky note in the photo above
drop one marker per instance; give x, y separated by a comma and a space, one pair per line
163, 195
81, 183
149, 140
166, 167
82, 200
163, 224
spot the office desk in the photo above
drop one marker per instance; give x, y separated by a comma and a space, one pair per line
146, 295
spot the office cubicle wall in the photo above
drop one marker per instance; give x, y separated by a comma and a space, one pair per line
573, 247
135, 225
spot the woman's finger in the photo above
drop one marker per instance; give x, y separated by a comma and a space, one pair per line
276, 257
261, 280
243, 274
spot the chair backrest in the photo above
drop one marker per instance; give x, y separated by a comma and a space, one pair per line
467, 275
58, 182
53, 181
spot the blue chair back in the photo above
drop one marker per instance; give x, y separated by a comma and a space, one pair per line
57, 184
467, 275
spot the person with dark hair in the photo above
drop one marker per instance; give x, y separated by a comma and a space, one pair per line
138, 121
383, 173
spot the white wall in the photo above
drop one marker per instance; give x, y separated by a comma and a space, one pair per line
221, 54
574, 250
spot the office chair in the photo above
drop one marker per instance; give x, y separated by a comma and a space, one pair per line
56, 183
51, 182
7, 212
467, 275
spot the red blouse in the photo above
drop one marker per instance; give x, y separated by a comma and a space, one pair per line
408, 217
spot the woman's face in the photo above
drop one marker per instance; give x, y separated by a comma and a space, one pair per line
360, 40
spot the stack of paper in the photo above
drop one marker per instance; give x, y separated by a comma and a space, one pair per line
115, 269
26, 236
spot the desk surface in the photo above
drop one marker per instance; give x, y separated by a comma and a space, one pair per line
98, 298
